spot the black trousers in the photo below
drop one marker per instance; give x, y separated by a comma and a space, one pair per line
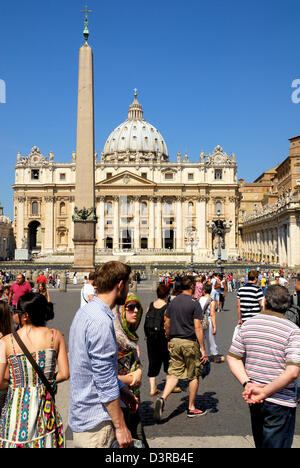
158, 355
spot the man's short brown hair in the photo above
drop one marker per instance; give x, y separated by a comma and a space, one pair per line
252, 275
187, 282
110, 274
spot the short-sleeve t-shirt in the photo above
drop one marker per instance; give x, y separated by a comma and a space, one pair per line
19, 290
269, 343
250, 297
87, 290
182, 311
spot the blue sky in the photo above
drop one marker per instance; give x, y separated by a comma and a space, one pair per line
208, 73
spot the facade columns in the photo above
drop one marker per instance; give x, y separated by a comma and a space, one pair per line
136, 222
116, 241
159, 223
201, 222
48, 238
20, 222
179, 236
101, 223
151, 223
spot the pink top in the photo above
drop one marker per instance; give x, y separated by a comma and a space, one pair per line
198, 290
18, 290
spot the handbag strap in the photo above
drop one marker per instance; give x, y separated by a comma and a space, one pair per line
35, 365
207, 304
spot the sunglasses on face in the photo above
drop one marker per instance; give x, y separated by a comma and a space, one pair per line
131, 307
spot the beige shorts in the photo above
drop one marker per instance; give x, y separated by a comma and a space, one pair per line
101, 436
185, 359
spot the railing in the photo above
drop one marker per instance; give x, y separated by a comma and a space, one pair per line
141, 251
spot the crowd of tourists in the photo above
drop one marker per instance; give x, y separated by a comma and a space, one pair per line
106, 368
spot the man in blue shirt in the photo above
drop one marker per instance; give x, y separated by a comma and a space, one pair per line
95, 415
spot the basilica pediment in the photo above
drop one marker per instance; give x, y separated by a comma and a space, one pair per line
126, 178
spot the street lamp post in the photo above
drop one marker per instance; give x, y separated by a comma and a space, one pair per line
191, 239
219, 228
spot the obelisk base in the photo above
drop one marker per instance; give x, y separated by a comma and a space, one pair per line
84, 246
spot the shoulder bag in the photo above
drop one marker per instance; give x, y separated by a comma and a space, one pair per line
205, 321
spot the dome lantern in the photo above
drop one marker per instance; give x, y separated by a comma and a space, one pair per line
135, 109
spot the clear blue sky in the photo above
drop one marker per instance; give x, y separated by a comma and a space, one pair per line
208, 73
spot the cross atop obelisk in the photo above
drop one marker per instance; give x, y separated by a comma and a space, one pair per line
86, 31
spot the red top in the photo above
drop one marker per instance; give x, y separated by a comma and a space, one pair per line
42, 279
18, 291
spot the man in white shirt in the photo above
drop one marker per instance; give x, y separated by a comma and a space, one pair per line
88, 291
283, 281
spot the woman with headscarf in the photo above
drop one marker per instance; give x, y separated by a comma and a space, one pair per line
127, 320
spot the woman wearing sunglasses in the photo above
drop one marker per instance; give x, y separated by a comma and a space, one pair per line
127, 320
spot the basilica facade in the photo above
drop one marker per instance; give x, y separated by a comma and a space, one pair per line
146, 204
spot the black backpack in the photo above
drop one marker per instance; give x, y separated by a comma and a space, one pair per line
154, 322
293, 312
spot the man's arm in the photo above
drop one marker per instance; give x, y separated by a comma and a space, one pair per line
102, 351
123, 435
237, 368
256, 394
167, 327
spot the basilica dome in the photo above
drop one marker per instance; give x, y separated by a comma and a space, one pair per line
135, 138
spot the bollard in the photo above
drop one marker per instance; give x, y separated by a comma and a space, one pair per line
63, 284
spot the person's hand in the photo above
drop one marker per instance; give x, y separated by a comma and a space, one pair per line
214, 331
204, 357
240, 323
136, 378
124, 437
130, 400
254, 394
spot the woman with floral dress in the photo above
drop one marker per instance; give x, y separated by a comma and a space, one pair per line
29, 419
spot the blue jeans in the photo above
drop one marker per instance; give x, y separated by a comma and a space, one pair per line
273, 425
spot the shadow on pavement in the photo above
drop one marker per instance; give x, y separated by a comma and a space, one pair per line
203, 402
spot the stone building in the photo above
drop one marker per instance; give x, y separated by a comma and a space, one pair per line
6, 237
145, 202
271, 231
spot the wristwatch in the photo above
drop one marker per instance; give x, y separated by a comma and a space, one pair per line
245, 383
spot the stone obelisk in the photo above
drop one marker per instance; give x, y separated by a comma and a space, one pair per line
84, 216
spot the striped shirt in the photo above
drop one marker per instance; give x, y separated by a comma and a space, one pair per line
250, 296
270, 343
93, 351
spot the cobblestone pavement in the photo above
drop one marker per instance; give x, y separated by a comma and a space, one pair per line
228, 415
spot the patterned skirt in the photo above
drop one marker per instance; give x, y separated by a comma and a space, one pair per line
29, 419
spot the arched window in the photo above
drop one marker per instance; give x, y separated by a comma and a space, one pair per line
35, 208
144, 208
62, 208
190, 208
109, 208
218, 207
